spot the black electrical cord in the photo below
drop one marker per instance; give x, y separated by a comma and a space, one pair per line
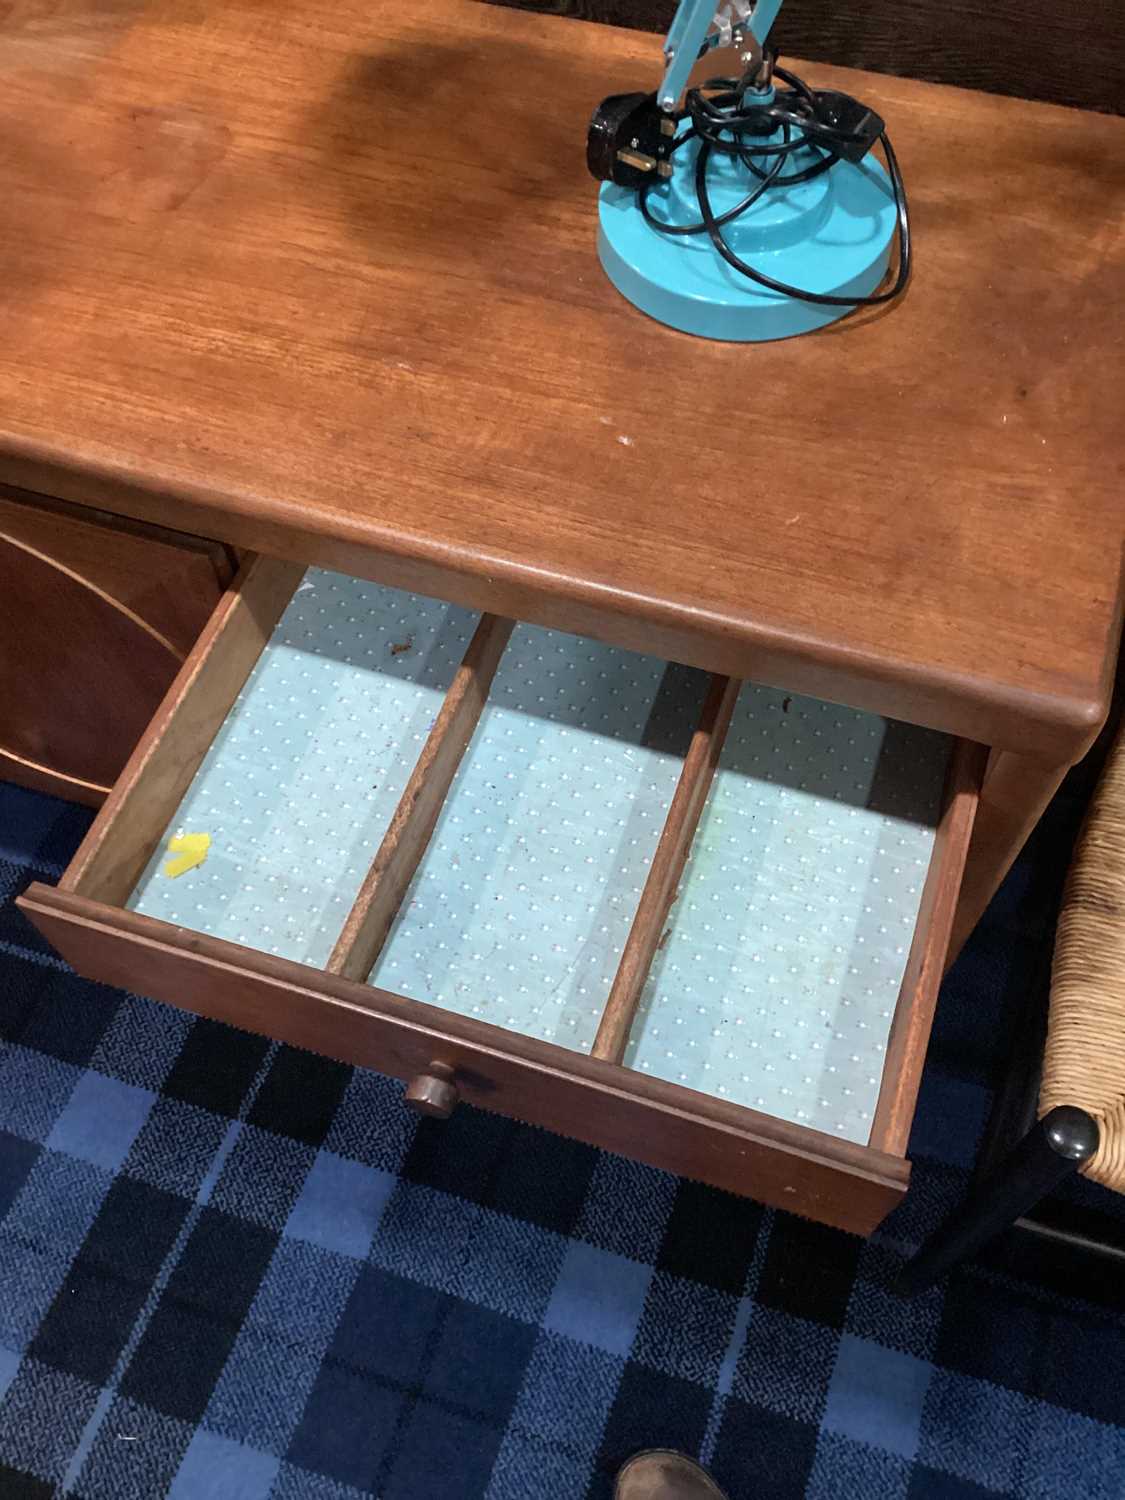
724, 117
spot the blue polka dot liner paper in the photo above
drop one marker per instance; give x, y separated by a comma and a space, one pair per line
777, 975
776, 984
524, 899
299, 785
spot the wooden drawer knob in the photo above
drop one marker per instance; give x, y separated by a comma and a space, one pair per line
433, 1092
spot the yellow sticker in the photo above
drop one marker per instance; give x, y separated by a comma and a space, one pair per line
189, 849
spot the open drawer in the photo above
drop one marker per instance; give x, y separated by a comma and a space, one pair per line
697, 922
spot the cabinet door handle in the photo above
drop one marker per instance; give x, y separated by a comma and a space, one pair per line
433, 1092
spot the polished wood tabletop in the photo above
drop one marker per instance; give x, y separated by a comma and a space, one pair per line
320, 278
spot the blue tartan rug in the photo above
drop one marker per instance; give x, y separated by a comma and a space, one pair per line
230, 1269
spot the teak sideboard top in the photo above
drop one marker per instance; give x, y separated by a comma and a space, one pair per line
320, 279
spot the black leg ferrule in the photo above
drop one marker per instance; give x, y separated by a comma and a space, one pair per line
1050, 1152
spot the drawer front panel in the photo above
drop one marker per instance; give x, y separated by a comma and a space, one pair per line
787, 1166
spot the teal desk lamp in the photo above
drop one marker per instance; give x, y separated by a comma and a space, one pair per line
739, 210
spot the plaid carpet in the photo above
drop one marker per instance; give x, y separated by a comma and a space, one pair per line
230, 1269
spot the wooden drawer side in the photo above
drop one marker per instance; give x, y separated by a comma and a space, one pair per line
925, 965
128, 828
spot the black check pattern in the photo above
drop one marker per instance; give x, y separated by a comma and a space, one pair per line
232, 1271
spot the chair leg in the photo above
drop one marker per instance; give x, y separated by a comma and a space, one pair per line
1050, 1152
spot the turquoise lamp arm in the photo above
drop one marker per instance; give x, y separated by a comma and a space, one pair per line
691, 34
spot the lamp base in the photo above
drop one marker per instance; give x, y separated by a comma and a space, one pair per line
831, 235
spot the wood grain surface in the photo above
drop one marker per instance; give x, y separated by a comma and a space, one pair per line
712, 1140
167, 580
1015, 795
1030, 48
320, 279
95, 619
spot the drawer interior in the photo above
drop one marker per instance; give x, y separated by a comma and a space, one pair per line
306, 771
719, 885
779, 970
524, 898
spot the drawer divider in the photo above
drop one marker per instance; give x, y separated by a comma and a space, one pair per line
646, 933
408, 834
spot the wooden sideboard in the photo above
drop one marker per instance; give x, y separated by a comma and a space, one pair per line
284, 281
